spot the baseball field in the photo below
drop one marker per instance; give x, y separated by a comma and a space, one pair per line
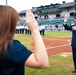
58, 45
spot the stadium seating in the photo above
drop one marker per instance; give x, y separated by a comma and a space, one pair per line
54, 21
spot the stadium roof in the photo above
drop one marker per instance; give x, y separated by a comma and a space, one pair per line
64, 5
24, 11
51, 5
70, 4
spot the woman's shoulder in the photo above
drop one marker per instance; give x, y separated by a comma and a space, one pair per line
16, 41
18, 44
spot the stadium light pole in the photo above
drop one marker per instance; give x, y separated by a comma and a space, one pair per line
6, 2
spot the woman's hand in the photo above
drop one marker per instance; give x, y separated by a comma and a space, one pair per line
31, 22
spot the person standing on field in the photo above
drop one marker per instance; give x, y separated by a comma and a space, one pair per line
72, 27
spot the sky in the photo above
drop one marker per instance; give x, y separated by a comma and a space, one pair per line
21, 5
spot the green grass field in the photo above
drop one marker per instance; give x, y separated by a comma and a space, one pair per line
58, 65
58, 34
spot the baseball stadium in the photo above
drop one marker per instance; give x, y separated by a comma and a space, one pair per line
57, 39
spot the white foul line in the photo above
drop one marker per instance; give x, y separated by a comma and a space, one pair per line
58, 46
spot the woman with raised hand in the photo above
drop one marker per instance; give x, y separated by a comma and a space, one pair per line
13, 55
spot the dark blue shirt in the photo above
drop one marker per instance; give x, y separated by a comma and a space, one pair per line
69, 27
14, 58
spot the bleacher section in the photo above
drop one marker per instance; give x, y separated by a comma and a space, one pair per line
21, 22
49, 21
54, 21
45, 24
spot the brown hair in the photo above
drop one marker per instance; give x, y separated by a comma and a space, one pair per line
8, 21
